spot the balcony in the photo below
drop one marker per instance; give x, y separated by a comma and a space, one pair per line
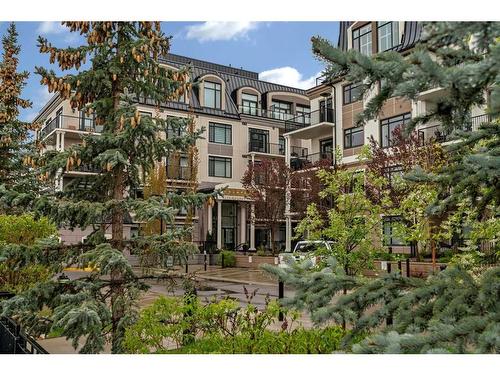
85, 168
441, 135
266, 113
310, 119
318, 159
176, 172
69, 123
266, 148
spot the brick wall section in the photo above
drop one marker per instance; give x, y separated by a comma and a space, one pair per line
242, 261
417, 269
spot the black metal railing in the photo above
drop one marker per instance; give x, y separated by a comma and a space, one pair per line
311, 160
313, 118
440, 134
298, 152
85, 168
176, 172
13, 339
266, 148
70, 123
267, 113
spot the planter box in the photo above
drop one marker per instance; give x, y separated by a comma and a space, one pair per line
417, 269
254, 261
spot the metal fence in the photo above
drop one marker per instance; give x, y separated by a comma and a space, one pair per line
13, 339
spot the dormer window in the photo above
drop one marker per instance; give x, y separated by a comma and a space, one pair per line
362, 39
212, 95
388, 35
249, 104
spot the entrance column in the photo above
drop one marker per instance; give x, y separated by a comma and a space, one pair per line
219, 224
209, 214
252, 227
288, 197
243, 222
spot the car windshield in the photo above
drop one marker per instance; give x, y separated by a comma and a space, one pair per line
308, 247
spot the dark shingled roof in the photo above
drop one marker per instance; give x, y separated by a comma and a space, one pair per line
234, 78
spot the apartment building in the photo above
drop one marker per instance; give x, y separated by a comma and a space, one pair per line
243, 120
334, 106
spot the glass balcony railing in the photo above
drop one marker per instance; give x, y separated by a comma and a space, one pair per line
438, 133
318, 159
70, 123
266, 148
267, 113
313, 118
176, 172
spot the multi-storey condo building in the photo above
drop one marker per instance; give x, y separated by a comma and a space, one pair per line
244, 121
335, 104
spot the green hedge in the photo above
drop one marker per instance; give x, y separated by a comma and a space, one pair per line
228, 257
299, 341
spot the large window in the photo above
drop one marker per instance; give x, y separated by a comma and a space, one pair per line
326, 110
219, 167
175, 126
388, 35
351, 93
389, 125
212, 94
281, 110
259, 140
219, 133
362, 39
393, 173
303, 114
354, 137
390, 237
249, 104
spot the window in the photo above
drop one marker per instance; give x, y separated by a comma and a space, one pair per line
326, 148
388, 35
281, 110
326, 110
390, 224
281, 141
178, 170
212, 94
219, 133
303, 114
259, 140
249, 104
175, 126
219, 167
362, 39
351, 93
393, 172
387, 127
354, 137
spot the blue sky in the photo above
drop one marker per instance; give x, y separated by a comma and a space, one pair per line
279, 51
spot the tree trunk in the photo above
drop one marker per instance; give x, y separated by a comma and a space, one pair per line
117, 305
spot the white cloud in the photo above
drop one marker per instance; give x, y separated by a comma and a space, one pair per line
212, 30
289, 76
48, 27
40, 97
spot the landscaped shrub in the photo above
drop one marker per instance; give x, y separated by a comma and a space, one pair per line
227, 259
175, 325
18, 268
24, 229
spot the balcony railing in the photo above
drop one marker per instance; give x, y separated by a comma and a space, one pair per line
313, 118
439, 134
266, 148
267, 113
298, 152
70, 123
312, 160
85, 168
176, 172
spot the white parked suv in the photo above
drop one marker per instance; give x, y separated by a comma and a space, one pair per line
303, 250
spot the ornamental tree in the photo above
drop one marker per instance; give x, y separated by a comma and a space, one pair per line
124, 69
15, 148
